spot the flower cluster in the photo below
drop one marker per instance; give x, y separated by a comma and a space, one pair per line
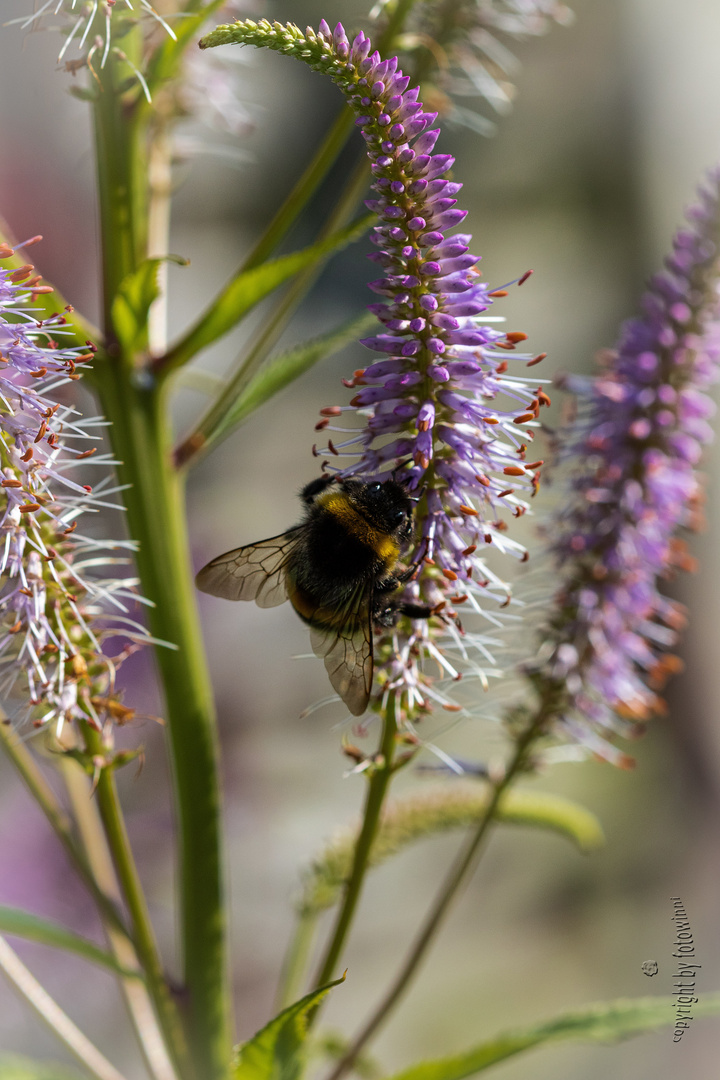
441, 401
641, 427
55, 614
459, 53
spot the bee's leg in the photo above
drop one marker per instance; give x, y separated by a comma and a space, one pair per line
416, 611
387, 614
311, 491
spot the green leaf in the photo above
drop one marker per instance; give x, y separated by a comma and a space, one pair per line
276, 1051
283, 369
132, 303
605, 1022
248, 288
14, 1067
46, 932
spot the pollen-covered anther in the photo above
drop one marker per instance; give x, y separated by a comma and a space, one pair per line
12, 483
322, 424
516, 336
524, 418
536, 359
331, 410
513, 470
490, 420
526, 275
498, 294
332, 449
21, 273
506, 491
29, 508
449, 574
507, 345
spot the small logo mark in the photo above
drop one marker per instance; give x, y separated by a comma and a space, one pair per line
650, 967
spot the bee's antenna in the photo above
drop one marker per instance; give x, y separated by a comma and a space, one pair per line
401, 465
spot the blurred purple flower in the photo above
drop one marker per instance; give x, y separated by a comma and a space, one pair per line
56, 615
639, 435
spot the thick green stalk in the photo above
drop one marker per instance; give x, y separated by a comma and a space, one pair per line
377, 789
156, 518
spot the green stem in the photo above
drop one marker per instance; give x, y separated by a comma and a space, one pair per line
143, 933
98, 855
296, 960
377, 789
458, 875
122, 193
59, 821
156, 518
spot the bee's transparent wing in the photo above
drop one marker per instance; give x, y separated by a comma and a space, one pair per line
255, 572
347, 648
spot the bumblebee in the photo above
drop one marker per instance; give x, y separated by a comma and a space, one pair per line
338, 568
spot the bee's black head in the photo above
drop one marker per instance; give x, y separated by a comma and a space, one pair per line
386, 505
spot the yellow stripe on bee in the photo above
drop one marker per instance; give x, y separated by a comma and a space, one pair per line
384, 546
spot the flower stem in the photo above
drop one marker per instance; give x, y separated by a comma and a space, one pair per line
96, 848
156, 517
137, 409
143, 933
377, 789
296, 960
458, 875
50, 1012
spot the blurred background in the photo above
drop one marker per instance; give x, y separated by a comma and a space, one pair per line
615, 119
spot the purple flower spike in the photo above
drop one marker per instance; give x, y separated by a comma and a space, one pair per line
639, 435
441, 413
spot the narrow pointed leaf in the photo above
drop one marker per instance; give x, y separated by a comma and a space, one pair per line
604, 1022
247, 289
287, 367
131, 305
276, 1051
46, 932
